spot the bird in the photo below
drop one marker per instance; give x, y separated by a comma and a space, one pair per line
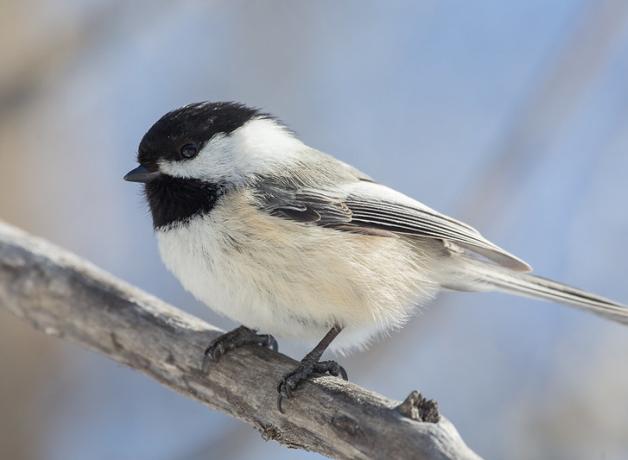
291, 242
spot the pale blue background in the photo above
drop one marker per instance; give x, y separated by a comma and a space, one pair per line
511, 115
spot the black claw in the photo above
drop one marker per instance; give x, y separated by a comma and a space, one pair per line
284, 390
303, 372
331, 368
214, 351
235, 339
270, 342
309, 366
343, 374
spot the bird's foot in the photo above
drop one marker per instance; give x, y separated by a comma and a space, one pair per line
306, 369
235, 339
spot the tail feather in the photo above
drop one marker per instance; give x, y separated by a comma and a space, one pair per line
526, 284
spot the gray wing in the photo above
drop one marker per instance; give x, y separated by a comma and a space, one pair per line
366, 207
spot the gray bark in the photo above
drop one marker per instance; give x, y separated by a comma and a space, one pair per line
65, 296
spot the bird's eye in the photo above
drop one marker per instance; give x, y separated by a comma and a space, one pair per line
189, 151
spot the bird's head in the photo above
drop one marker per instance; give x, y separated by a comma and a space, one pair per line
216, 142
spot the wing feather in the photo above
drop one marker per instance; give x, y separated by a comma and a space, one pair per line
371, 208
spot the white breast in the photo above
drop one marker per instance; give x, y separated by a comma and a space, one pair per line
297, 280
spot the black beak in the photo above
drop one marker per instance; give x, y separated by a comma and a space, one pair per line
141, 174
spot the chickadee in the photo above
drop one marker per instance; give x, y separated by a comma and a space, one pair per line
288, 240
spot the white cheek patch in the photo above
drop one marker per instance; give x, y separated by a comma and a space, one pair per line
214, 163
258, 147
263, 142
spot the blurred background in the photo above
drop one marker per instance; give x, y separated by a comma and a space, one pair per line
510, 115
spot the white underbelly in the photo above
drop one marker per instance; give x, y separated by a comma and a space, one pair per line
292, 280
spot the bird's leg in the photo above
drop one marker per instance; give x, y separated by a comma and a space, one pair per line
311, 366
235, 339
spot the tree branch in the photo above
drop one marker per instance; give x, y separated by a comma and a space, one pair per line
65, 296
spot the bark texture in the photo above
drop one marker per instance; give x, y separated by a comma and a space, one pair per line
65, 296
